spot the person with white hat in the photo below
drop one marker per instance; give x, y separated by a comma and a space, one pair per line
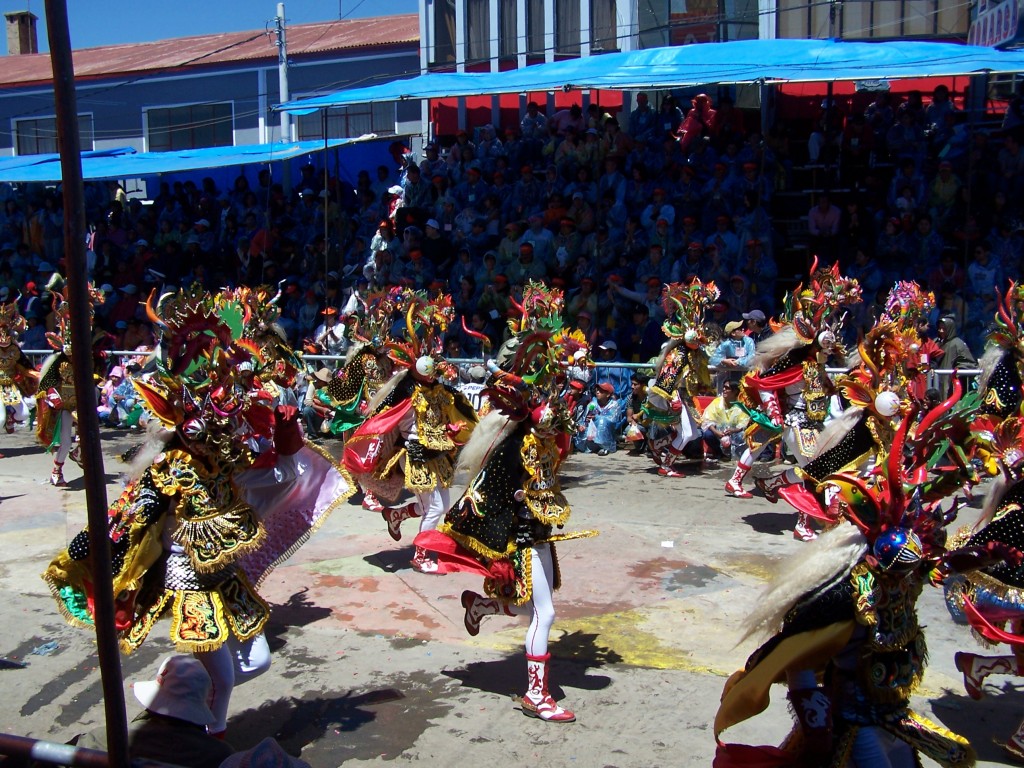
172, 728
267, 754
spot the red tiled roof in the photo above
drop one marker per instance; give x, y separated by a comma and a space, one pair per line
202, 50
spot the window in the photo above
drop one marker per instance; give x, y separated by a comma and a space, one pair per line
603, 32
39, 136
349, 122
567, 26
190, 127
862, 21
535, 27
508, 45
478, 30
444, 31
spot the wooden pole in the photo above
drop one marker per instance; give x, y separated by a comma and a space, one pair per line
85, 390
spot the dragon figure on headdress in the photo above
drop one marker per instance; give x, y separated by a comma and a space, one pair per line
680, 374
847, 609
788, 389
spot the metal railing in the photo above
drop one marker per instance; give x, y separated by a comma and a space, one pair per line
52, 753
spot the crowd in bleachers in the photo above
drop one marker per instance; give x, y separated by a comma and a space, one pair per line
609, 207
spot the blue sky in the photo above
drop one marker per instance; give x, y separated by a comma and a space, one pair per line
102, 22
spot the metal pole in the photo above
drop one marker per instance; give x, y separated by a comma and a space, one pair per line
85, 390
282, 72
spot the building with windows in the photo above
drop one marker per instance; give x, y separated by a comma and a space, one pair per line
206, 90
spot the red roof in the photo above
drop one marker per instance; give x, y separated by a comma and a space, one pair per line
201, 50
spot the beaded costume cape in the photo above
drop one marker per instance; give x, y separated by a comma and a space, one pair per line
513, 503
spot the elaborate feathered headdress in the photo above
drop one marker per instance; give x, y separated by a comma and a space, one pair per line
198, 388
908, 304
1006, 333
685, 307
540, 309
11, 323
895, 506
60, 339
809, 309
426, 320
370, 323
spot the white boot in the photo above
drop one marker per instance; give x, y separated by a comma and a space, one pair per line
538, 702
976, 668
422, 563
57, 475
394, 518
803, 530
734, 487
478, 606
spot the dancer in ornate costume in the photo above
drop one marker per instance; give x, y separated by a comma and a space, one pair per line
992, 600
847, 610
223, 493
505, 525
18, 380
681, 374
877, 390
56, 402
417, 427
787, 384
367, 366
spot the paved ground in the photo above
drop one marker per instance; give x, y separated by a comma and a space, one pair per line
372, 663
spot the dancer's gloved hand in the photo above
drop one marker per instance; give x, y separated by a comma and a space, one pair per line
287, 430
53, 398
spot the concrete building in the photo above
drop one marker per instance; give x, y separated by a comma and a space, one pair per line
206, 90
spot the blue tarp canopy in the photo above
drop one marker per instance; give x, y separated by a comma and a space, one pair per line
126, 163
742, 61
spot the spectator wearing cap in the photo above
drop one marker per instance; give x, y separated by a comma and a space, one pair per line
599, 428
735, 351
619, 378
416, 269
755, 323
436, 246
465, 266
737, 293
527, 267
657, 265
541, 238
581, 212
568, 243
508, 248
316, 409
471, 192
495, 302
658, 209
643, 121
664, 236
127, 304
527, 194
417, 194
329, 336
534, 128
206, 236
172, 727
724, 240
583, 300
640, 337
761, 272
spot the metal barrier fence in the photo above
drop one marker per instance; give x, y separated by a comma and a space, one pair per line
29, 751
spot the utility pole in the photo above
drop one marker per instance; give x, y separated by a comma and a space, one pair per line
282, 71
66, 105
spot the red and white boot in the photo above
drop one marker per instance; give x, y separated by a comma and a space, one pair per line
57, 475
394, 517
538, 702
770, 486
1014, 745
422, 563
803, 530
734, 486
371, 502
976, 668
478, 606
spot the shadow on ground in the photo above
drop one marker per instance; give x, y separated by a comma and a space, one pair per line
572, 655
775, 523
298, 611
986, 723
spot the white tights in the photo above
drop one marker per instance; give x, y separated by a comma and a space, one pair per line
432, 506
541, 606
688, 431
234, 662
64, 444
